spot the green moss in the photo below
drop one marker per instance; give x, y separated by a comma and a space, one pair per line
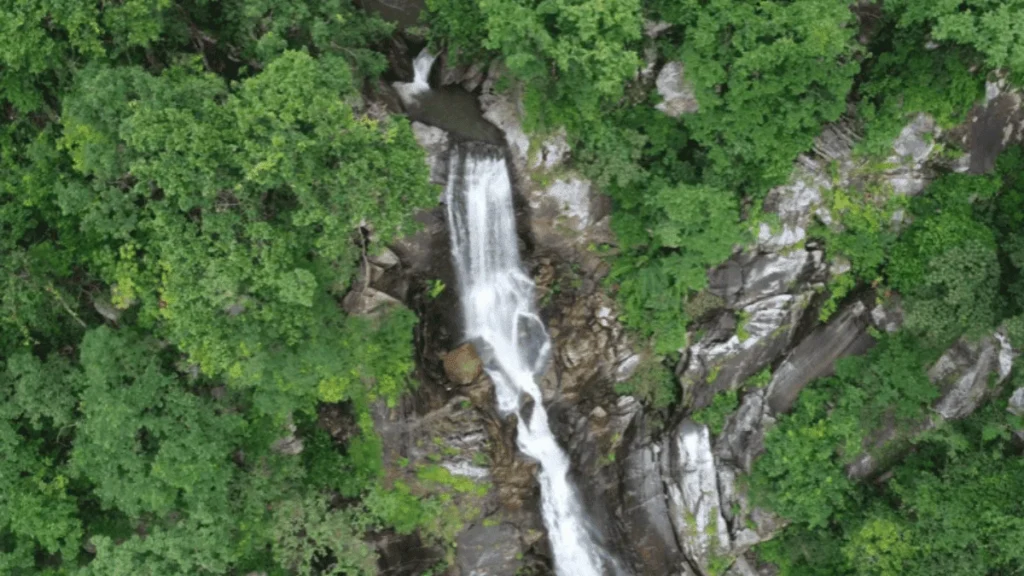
713, 416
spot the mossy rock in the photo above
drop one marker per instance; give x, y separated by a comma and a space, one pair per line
462, 365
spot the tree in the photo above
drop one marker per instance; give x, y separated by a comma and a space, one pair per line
768, 75
269, 180
996, 29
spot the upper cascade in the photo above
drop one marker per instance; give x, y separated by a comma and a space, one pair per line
497, 300
420, 84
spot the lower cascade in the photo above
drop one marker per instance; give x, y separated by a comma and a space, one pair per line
500, 318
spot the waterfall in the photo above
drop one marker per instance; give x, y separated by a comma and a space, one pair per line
421, 66
497, 304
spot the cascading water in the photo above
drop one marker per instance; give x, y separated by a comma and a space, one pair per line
499, 314
421, 66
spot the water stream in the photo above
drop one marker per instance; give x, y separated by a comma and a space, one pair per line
498, 309
450, 108
499, 315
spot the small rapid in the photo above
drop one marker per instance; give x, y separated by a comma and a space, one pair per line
420, 84
497, 302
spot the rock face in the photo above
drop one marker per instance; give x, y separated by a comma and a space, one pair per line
677, 92
434, 142
566, 213
490, 550
815, 356
994, 125
801, 202
590, 347
694, 501
767, 295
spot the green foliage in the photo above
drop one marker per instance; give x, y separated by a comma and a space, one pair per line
713, 416
653, 384
279, 200
946, 263
801, 474
954, 506
674, 236
995, 29
902, 79
461, 25
767, 75
307, 533
201, 178
573, 55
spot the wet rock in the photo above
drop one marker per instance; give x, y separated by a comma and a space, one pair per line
463, 365
434, 142
678, 96
526, 406
645, 511
490, 550
815, 356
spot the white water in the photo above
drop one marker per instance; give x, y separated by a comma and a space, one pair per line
498, 309
421, 66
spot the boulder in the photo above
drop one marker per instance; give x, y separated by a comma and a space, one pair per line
504, 110
677, 93
795, 204
552, 152
487, 549
963, 372
367, 301
1016, 404
463, 365
290, 444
